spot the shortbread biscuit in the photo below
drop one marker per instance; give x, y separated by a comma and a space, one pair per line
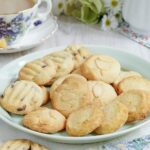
123, 75
79, 53
22, 97
60, 80
84, 120
115, 116
63, 60
44, 120
137, 102
70, 93
20, 144
101, 67
45, 95
39, 71
133, 83
102, 92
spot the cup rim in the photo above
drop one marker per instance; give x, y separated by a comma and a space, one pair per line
22, 11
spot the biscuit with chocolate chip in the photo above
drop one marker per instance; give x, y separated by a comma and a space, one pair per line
22, 97
39, 71
79, 53
21, 144
64, 62
44, 120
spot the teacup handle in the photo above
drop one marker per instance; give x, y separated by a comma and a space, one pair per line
41, 16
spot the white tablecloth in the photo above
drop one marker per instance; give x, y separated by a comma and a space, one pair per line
71, 31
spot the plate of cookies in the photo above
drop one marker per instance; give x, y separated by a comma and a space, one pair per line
76, 94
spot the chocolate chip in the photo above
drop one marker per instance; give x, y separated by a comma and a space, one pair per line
12, 85
22, 98
21, 108
29, 148
2, 96
44, 66
74, 54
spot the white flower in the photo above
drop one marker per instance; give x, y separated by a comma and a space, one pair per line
109, 22
59, 6
113, 5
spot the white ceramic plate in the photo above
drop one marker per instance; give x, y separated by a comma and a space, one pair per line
9, 74
34, 37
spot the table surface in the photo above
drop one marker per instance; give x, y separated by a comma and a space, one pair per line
72, 31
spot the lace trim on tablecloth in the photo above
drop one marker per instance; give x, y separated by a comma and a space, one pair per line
126, 30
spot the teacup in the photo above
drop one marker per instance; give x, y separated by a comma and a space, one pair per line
137, 14
15, 25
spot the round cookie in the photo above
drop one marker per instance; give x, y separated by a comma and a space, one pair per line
123, 75
101, 67
63, 60
39, 71
20, 144
137, 102
115, 116
79, 53
84, 120
44, 120
22, 97
70, 93
134, 82
102, 92
59, 81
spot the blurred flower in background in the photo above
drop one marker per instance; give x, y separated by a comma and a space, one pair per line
59, 7
109, 23
87, 11
105, 12
113, 5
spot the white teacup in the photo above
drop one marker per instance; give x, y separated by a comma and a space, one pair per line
15, 25
137, 14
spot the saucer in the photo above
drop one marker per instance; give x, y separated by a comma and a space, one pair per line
34, 37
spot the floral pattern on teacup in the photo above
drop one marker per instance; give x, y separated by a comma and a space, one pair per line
10, 30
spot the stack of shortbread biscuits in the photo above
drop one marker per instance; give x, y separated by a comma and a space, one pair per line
88, 93
21, 144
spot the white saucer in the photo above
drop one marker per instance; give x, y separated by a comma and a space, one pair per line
34, 37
